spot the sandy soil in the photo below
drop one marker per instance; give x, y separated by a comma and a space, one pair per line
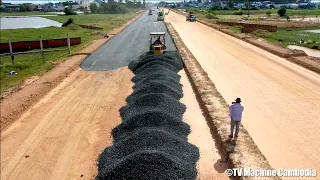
15, 102
280, 98
64, 132
212, 163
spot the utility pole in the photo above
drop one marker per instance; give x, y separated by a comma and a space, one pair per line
248, 8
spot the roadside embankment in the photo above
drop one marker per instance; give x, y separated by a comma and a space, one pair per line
16, 103
263, 44
242, 153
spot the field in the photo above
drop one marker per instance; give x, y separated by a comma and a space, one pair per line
254, 14
33, 13
291, 37
29, 65
289, 32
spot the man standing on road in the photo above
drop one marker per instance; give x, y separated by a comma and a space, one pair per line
236, 110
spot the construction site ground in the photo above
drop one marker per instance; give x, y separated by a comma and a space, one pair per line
62, 135
280, 98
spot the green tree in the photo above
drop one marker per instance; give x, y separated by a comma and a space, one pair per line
68, 11
93, 7
24, 8
282, 12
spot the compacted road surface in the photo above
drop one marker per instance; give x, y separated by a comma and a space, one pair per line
128, 45
281, 99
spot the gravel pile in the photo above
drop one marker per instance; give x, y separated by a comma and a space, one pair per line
153, 102
154, 119
134, 65
154, 88
154, 74
161, 79
151, 142
162, 63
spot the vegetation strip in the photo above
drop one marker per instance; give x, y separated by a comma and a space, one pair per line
25, 98
243, 154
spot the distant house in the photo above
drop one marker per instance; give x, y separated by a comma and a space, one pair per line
99, 2
83, 3
221, 3
58, 7
47, 7
75, 6
13, 7
293, 5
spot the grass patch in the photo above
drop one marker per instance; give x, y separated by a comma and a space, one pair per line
29, 65
236, 29
291, 37
254, 14
33, 13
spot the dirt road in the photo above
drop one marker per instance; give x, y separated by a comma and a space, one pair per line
212, 163
282, 112
66, 131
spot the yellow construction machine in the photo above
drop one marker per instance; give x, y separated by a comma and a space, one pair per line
160, 16
157, 43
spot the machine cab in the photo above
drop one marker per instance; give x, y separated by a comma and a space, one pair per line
157, 42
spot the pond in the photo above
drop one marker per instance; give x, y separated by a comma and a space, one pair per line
308, 51
313, 31
26, 22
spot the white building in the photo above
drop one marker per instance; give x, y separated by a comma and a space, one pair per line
83, 3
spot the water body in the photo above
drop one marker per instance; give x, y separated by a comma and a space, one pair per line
308, 51
313, 31
26, 22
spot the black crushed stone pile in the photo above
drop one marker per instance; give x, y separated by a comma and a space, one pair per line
147, 165
151, 142
155, 74
177, 63
155, 119
151, 139
153, 102
155, 68
161, 79
157, 62
154, 88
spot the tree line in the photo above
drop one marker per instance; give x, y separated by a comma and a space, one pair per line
112, 7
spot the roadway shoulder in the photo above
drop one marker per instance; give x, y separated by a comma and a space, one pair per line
294, 56
242, 153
